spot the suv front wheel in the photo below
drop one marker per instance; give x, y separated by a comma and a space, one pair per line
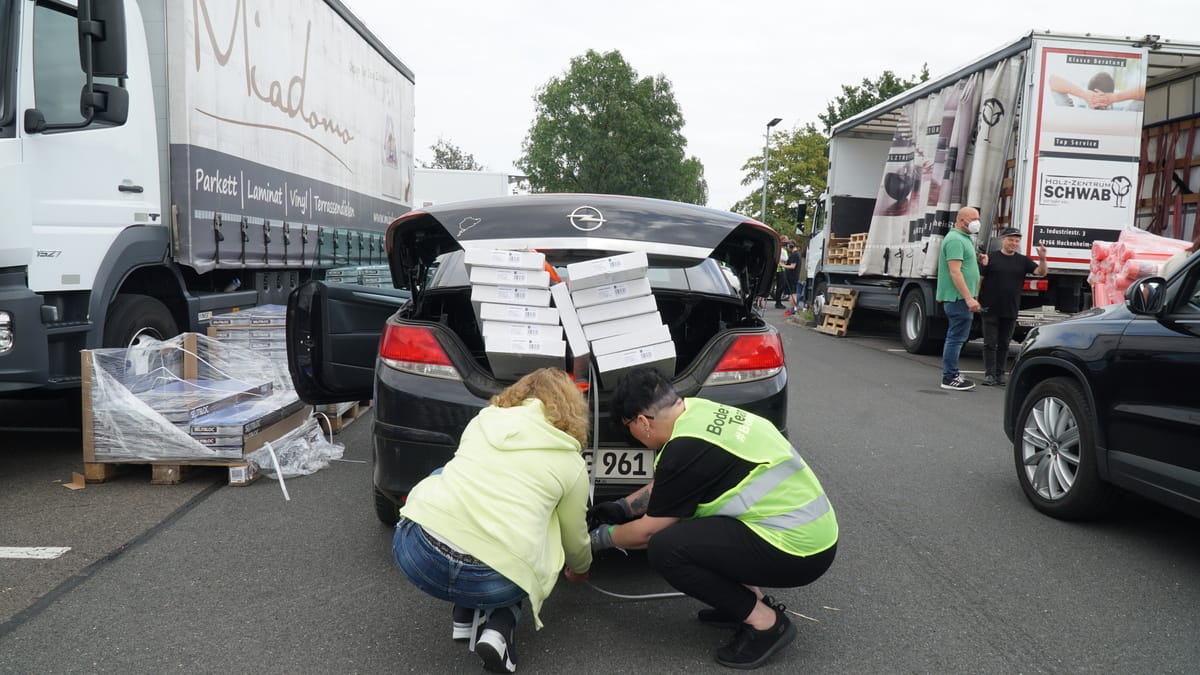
1055, 452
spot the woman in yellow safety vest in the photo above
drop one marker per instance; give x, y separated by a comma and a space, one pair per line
732, 507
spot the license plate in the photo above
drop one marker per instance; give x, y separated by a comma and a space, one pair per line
622, 465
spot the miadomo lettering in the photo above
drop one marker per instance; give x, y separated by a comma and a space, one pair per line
1059, 190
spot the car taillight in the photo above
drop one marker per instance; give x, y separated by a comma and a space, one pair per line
1037, 284
414, 349
749, 358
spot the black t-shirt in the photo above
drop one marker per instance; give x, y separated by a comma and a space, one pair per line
793, 275
690, 472
1003, 276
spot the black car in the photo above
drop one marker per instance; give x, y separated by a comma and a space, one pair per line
422, 358
1109, 400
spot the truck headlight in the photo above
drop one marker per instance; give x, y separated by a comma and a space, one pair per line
6, 332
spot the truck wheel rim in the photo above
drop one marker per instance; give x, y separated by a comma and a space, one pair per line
912, 322
1050, 448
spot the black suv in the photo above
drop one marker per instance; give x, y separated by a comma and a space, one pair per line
1111, 399
418, 349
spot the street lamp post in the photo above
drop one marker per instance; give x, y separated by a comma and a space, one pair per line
766, 175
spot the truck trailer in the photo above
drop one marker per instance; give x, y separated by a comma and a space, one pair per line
1069, 138
162, 161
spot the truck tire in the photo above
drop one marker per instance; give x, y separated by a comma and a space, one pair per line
385, 509
132, 317
819, 300
917, 330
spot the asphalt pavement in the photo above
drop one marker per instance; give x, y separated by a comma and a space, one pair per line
943, 567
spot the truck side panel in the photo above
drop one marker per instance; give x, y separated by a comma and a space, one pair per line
279, 112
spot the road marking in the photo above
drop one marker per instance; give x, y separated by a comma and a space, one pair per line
33, 552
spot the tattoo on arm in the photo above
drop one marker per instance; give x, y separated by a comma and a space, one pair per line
639, 501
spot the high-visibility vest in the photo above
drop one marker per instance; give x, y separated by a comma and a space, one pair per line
780, 499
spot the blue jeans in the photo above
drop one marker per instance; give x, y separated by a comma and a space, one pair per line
956, 336
474, 586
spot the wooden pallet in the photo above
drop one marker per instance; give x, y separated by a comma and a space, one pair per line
240, 472
335, 417
835, 316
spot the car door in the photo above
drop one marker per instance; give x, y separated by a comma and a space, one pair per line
1154, 431
333, 338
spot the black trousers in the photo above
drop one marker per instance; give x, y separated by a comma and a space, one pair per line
714, 559
780, 290
997, 336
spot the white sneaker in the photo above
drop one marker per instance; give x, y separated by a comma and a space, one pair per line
496, 653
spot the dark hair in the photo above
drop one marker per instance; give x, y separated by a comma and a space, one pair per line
640, 389
1103, 82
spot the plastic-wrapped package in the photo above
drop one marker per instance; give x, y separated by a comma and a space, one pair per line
300, 452
143, 402
1116, 265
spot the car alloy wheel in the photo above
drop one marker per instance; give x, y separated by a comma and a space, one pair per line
1055, 452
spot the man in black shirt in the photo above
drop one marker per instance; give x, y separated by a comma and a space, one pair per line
792, 270
1003, 275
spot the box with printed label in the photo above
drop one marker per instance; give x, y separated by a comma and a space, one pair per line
539, 331
498, 276
613, 366
510, 295
610, 270
619, 343
631, 324
623, 290
580, 352
518, 314
510, 357
494, 257
616, 310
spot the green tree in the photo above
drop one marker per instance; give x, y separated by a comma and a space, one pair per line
855, 99
798, 169
602, 128
447, 155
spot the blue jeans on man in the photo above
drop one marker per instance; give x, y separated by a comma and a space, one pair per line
959, 328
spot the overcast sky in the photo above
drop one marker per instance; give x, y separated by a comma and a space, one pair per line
733, 64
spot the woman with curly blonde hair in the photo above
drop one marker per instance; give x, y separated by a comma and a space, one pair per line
507, 512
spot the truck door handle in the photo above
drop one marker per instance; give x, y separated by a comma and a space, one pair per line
136, 189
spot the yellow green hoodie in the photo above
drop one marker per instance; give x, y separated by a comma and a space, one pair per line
514, 496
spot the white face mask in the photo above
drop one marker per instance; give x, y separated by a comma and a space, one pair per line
973, 226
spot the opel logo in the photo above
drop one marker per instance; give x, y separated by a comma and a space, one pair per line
586, 218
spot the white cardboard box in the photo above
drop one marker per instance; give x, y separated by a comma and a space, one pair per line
518, 314
613, 366
610, 311
631, 324
580, 351
494, 257
611, 292
510, 295
540, 331
619, 343
511, 358
499, 276
610, 270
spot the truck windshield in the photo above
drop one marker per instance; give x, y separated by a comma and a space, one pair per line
8, 43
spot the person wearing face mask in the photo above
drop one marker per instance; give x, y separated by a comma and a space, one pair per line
1003, 276
957, 284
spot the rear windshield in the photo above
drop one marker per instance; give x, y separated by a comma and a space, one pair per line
708, 277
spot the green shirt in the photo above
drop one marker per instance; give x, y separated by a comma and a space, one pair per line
957, 246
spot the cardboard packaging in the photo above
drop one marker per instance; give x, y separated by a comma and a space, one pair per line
580, 351
510, 295
539, 331
516, 260
498, 276
613, 366
619, 343
518, 314
610, 270
511, 358
623, 290
619, 309
631, 324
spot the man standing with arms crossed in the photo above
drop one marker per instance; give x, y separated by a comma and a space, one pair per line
957, 283
1003, 276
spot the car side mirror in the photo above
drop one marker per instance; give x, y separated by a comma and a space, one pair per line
1146, 296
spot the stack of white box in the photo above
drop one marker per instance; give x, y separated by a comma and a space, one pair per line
610, 312
510, 292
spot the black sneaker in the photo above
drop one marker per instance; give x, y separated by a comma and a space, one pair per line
463, 618
716, 618
1001, 380
990, 381
751, 648
957, 383
495, 643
